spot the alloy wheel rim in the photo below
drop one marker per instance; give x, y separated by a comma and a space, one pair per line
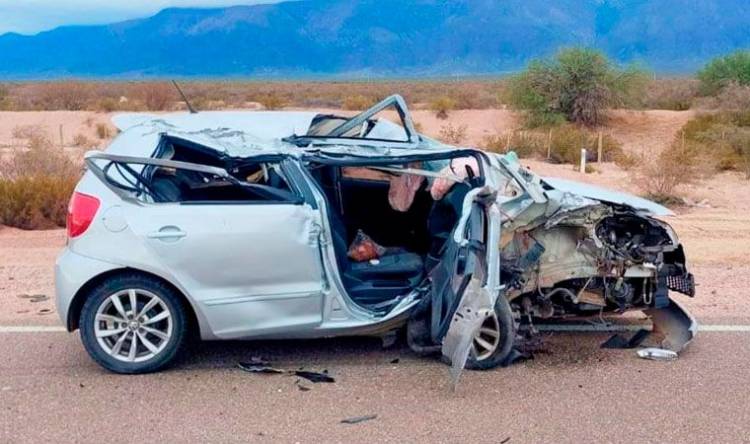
133, 325
487, 338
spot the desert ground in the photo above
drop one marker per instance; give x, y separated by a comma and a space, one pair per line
574, 392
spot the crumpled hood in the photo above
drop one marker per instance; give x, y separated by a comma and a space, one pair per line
605, 195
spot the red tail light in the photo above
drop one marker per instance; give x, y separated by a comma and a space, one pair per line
81, 211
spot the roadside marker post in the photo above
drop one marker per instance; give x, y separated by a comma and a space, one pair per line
583, 161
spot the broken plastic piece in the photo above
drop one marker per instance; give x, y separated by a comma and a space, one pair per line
363, 248
675, 324
255, 368
657, 354
618, 341
358, 419
314, 376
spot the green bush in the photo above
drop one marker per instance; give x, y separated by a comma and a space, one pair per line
723, 71
577, 85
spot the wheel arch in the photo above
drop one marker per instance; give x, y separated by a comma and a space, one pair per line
76, 305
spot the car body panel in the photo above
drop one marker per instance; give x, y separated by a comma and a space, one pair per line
605, 195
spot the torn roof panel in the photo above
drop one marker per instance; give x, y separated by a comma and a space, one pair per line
261, 124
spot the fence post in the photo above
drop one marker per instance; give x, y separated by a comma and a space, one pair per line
549, 144
583, 161
62, 143
599, 148
507, 141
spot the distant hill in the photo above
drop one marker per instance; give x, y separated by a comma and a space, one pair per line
382, 38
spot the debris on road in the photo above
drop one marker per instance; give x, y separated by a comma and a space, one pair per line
358, 419
302, 386
315, 377
618, 341
257, 365
657, 354
256, 368
34, 297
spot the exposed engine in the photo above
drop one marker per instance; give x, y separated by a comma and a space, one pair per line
618, 261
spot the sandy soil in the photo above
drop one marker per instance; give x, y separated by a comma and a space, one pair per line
51, 124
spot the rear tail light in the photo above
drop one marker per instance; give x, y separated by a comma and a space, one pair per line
81, 211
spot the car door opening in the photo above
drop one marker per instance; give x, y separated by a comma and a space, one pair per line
409, 208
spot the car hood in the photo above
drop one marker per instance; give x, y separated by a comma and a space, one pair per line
605, 195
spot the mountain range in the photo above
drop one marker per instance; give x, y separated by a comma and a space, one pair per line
371, 38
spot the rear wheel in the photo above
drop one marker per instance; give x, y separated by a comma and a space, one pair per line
493, 341
133, 324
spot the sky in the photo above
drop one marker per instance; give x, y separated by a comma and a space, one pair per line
32, 16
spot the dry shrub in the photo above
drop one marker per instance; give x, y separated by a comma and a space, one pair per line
442, 105
454, 135
80, 140
107, 105
103, 131
128, 96
156, 96
6, 103
357, 103
26, 132
733, 97
71, 95
566, 144
670, 94
35, 185
662, 174
39, 158
271, 101
721, 140
33, 203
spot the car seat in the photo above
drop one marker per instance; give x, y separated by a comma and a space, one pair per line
376, 281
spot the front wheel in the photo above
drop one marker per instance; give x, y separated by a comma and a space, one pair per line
493, 342
133, 324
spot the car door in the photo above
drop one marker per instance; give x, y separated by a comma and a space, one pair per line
252, 268
465, 284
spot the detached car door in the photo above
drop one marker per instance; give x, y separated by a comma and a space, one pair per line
252, 267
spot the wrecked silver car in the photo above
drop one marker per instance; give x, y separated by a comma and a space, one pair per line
249, 225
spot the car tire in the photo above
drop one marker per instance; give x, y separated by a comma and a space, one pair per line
109, 326
504, 326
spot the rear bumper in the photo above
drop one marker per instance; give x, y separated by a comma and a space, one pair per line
72, 272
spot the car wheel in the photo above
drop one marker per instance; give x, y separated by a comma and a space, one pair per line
494, 341
133, 324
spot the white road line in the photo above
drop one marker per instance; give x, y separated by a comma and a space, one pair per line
541, 327
31, 329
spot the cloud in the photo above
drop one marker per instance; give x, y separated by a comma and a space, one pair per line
32, 16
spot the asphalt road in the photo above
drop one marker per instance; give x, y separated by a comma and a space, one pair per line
572, 391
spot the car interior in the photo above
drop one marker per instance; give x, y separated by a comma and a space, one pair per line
256, 182
414, 240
